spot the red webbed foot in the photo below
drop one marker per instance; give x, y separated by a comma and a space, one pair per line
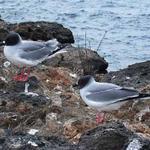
100, 117
21, 77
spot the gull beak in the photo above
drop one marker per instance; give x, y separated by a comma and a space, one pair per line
2, 43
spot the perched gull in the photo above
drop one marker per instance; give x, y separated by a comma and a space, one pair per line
105, 96
25, 53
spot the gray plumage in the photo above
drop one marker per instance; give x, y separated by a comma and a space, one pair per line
106, 96
29, 53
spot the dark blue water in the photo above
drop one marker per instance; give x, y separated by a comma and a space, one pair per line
127, 23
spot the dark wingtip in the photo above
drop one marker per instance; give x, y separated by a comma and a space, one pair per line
144, 95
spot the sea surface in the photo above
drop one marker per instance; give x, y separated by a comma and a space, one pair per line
126, 23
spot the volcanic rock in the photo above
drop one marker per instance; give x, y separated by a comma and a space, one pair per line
80, 60
39, 30
136, 75
112, 136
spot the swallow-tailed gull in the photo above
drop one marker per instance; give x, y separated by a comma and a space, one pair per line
106, 96
25, 53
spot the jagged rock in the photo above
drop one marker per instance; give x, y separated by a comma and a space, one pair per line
3, 33
17, 86
2, 132
15, 91
7, 118
112, 136
54, 76
52, 124
3, 24
57, 103
39, 30
73, 128
26, 141
106, 137
79, 60
136, 75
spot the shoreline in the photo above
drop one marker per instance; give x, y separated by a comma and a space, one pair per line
66, 35
56, 117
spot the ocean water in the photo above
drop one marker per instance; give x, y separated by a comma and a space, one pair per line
127, 23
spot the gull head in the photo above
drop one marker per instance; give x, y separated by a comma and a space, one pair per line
84, 81
12, 39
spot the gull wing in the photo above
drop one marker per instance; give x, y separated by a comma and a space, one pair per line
99, 87
37, 54
113, 95
34, 50
28, 46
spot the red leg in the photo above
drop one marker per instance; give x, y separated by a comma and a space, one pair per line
22, 76
28, 71
100, 117
23, 70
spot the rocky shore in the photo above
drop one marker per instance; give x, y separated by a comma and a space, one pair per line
51, 115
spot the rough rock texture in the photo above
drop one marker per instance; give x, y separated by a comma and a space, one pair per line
79, 60
106, 137
53, 109
137, 75
32, 142
135, 114
38, 31
49, 106
112, 136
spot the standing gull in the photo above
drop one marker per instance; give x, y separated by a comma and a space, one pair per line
106, 96
25, 53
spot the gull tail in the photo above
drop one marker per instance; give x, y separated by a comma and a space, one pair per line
58, 50
144, 96
141, 96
